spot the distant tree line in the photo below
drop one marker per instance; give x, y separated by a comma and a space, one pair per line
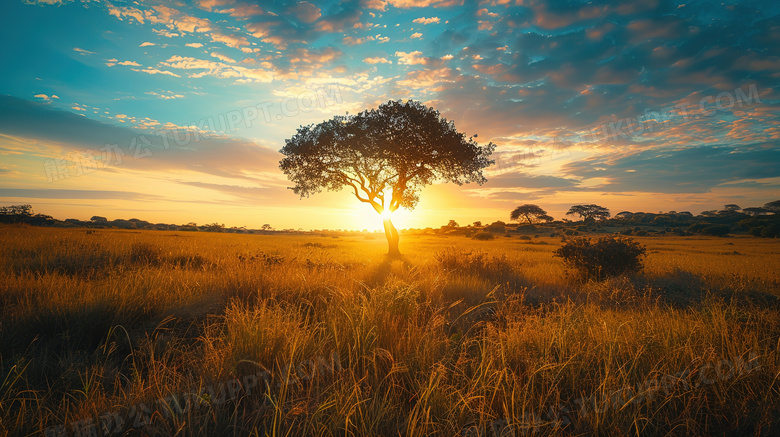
761, 221
23, 214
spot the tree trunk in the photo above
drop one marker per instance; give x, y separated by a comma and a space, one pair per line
392, 238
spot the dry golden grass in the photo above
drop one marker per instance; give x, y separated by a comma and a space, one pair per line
316, 335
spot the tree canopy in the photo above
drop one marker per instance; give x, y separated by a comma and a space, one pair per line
773, 206
530, 213
384, 156
589, 212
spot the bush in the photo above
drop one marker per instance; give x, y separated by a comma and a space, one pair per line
144, 253
771, 231
474, 262
497, 227
482, 235
716, 230
609, 256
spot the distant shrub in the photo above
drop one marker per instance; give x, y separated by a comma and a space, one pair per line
474, 262
771, 231
144, 253
482, 235
609, 256
525, 237
641, 233
716, 230
497, 226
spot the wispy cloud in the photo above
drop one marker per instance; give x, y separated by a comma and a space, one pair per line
83, 52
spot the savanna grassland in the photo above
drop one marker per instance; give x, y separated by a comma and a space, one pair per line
190, 333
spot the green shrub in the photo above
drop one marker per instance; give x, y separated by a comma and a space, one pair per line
609, 256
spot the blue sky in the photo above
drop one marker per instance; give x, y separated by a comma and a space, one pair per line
174, 111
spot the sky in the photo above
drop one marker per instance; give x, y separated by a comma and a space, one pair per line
174, 111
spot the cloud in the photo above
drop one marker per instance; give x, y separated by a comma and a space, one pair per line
217, 69
243, 11
377, 60
530, 181
42, 96
165, 33
352, 41
47, 193
340, 21
406, 4
126, 12
46, 2
196, 45
151, 70
166, 96
223, 58
147, 44
428, 79
83, 52
210, 4
374, 4
319, 57
251, 194
133, 63
230, 40
412, 58
673, 170
189, 23
305, 12
416, 35
209, 154
423, 20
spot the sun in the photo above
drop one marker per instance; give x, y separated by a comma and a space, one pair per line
363, 216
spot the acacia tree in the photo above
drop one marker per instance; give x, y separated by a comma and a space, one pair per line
773, 206
530, 213
385, 156
589, 212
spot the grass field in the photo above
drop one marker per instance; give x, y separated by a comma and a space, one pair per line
188, 333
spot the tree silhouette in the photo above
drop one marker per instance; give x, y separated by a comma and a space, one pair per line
589, 212
385, 156
773, 206
530, 213
753, 211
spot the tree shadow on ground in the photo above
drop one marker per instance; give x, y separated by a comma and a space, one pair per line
379, 275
